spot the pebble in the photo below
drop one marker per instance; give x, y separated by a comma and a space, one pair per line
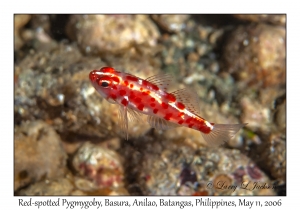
254, 51
38, 154
92, 36
171, 23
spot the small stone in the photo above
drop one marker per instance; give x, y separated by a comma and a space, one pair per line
280, 116
90, 31
271, 157
257, 116
239, 174
254, 51
254, 172
55, 187
187, 175
19, 22
38, 153
100, 165
171, 23
193, 57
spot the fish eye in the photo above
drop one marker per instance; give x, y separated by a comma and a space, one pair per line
104, 84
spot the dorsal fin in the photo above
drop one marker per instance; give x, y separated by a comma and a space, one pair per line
189, 98
163, 81
160, 123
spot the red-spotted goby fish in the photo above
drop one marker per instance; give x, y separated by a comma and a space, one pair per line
151, 97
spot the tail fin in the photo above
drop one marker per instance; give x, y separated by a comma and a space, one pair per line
221, 133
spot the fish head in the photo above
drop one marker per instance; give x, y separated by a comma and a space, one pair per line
105, 81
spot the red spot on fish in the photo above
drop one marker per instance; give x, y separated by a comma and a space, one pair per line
131, 85
168, 116
114, 87
116, 79
138, 100
131, 78
146, 92
155, 87
107, 70
141, 89
189, 120
180, 122
152, 104
180, 105
122, 92
155, 111
113, 96
131, 96
180, 114
140, 107
171, 97
145, 83
164, 105
191, 125
124, 102
152, 99
204, 129
126, 83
